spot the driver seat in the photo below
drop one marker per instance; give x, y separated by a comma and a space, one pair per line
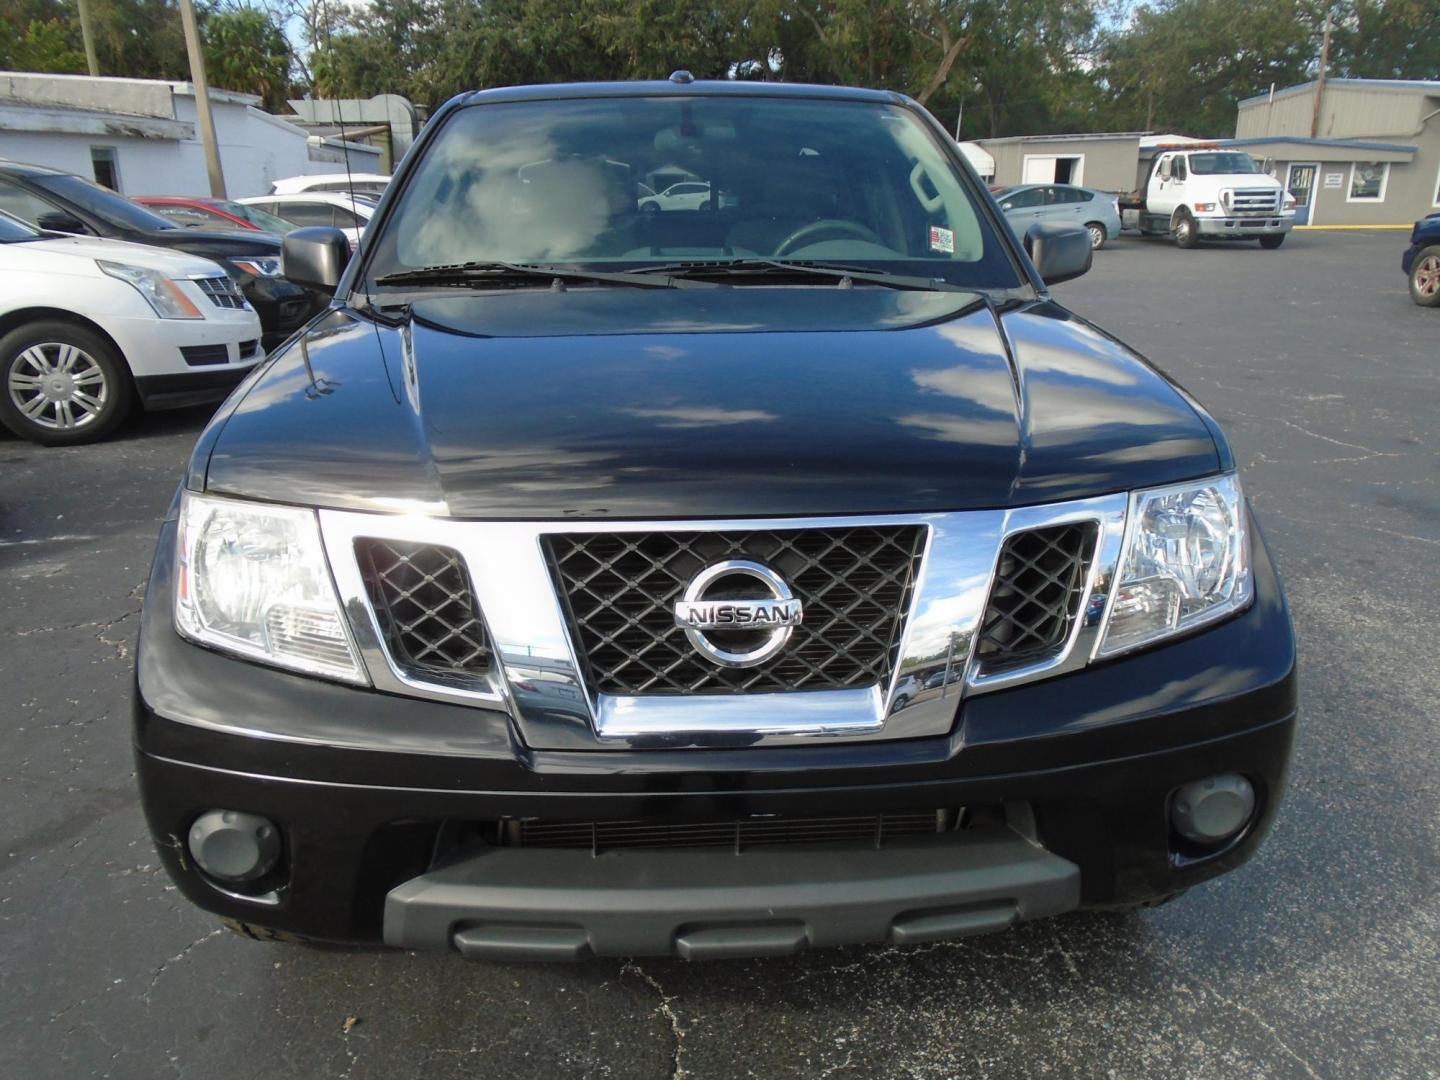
788, 198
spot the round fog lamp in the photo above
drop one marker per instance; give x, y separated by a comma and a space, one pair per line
233, 846
1208, 811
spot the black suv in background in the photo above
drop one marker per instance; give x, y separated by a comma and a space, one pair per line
709, 580
58, 201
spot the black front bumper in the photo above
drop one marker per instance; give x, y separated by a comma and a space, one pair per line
283, 307
1081, 769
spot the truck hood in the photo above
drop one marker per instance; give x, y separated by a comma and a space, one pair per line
739, 402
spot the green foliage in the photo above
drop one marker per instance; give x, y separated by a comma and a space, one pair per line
1012, 66
246, 50
47, 46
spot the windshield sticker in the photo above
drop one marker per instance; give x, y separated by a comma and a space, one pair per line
942, 240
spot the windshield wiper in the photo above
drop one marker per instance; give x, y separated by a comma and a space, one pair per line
837, 272
506, 273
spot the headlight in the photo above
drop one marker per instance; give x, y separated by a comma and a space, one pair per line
162, 294
258, 265
1185, 562
252, 579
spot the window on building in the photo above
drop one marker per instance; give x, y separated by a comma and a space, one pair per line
1368, 180
106, 165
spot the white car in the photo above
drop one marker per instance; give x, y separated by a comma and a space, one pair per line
360, 183
87, 326
686, 195
332, 208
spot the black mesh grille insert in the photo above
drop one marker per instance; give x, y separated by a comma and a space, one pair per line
421, 594
1037, 593
620, 591
870, 830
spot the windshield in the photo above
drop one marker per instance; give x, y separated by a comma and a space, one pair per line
13, 230
102, 202
629, 182
1218, 163
257, 217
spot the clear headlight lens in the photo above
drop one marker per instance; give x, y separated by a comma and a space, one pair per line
162, 294
252, 579
1186, 561
258, 265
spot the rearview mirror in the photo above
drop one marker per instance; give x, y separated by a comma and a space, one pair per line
1059, 252
59, 221
1165, 169
315, 257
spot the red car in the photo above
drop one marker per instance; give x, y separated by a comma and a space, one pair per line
194, 211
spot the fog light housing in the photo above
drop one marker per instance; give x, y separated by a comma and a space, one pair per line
1212, 810
234, 847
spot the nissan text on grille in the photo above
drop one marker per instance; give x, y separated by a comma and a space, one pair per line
693, 529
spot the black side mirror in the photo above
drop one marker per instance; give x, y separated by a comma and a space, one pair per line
59, 221
1059, 252
315, 257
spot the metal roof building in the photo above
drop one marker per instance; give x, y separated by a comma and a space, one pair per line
1374, 158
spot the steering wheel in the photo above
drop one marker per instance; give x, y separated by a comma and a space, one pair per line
828, 228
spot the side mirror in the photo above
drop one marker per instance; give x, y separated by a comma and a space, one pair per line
315, 257
1059, 252
59, 221
1165, 169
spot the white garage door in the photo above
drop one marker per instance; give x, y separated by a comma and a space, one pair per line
1039, 170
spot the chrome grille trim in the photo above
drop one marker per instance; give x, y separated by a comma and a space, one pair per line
620, 590
540, 684
1254, 200
222, 291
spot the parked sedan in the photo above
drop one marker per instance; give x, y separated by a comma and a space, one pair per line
1421, 262
89, 325
197, 212
55, 201
349, 214
1029, 203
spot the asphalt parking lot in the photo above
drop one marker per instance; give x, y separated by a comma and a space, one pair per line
1321, 958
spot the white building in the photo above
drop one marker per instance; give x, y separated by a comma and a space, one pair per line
140, 136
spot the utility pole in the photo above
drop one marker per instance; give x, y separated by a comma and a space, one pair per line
89, 36
202, 98
1320, 80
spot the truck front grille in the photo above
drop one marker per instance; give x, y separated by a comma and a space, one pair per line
426, 610
1036, 597
620, 591
1254, 201
868, 830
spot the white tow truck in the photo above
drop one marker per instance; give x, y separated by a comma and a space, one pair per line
1206, 191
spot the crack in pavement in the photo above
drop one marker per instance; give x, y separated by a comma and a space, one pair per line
181, 955
677, 1030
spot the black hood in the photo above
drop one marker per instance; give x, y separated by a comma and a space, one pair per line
739, 402
213, 245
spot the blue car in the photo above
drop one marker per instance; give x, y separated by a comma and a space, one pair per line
1026, 204
1422, 262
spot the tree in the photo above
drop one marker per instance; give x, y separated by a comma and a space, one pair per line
246, 51
46, 46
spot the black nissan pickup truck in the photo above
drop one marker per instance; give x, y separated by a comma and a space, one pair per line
693, 529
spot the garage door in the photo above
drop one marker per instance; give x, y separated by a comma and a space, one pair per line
1039, 170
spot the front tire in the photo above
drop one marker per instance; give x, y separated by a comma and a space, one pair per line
1425, 277
1273, 241
1187, 233
61, 384
1098, 235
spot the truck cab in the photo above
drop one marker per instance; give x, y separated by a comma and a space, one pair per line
1209, 192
